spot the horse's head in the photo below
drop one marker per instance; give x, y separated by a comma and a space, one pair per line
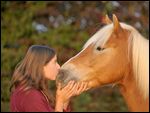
104, 58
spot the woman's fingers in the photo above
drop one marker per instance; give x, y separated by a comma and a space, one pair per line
87, 88
77, 86
80, 88
83, 87
73, 89
59, 86
69, 85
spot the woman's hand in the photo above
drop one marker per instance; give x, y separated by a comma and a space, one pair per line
81, 87
71, 89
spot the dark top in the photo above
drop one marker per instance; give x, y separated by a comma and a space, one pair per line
29, 100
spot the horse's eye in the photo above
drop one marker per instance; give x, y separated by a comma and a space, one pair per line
99, 48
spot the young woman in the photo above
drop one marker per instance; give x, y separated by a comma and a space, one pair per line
29, 88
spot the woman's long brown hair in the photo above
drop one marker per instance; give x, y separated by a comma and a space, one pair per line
29, 72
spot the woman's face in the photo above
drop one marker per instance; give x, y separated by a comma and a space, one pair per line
51, 69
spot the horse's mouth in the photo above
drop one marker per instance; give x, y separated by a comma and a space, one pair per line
64, 77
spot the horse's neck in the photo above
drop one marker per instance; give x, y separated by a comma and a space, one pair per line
132, 96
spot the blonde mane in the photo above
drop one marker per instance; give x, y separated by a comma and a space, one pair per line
140, 53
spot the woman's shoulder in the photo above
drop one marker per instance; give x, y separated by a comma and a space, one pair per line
28, 100
29, 93
21, 94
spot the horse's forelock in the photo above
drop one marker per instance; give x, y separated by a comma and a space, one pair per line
100, 37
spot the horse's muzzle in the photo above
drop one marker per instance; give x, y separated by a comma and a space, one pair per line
64, 76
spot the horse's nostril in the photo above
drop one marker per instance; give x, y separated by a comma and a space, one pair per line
64, 77
60, 77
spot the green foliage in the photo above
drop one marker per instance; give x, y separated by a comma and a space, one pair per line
103, 99
5, 94
5, 106
10, 60
80, 102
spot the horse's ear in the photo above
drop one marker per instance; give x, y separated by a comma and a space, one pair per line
106, 20
117, 26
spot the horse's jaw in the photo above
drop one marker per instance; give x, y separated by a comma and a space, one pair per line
70, 72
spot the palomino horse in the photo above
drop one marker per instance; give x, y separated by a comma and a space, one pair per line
117, 54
